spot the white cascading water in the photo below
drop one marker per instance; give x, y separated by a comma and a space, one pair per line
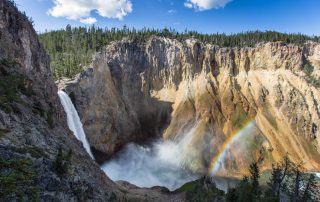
73, 119
162, 163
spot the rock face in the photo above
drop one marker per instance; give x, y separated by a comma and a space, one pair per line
135, 91
33, 128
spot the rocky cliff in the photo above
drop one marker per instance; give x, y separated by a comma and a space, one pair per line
164, 88
40, 159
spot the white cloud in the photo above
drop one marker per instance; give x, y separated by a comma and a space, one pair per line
81, 9
172, 11
188, 5
201, 5
89, 20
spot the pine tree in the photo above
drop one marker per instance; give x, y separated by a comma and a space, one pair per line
279, 173
254, 177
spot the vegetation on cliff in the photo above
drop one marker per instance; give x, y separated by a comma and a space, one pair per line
12, 84
287, 183
30, 130
18, 180
62, 162
71, 48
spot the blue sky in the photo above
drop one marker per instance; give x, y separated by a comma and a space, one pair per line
206, 16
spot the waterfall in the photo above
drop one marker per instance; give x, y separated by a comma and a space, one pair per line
73, 119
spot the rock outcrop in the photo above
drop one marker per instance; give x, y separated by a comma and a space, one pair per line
164, 88
40, 159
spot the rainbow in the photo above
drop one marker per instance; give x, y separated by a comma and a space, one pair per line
217, 160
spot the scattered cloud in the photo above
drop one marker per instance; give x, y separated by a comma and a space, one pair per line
80, 10
201, 5
172, 11
188, 4
89, 20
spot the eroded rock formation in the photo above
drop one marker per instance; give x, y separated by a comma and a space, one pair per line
135, 91
33, 127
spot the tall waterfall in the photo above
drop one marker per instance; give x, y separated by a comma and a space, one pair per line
74, 122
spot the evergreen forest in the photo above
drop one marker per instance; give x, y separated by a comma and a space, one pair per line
71, 49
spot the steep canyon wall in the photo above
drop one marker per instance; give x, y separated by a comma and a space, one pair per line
163, 88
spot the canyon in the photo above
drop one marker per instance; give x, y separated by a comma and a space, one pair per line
206, 109
136, 92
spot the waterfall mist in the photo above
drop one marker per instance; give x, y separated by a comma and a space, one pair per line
173, 163
147, 166
163, 163
73, 119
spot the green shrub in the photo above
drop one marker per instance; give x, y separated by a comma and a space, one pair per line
11, 85
48, 115
202, 190
35, 152
18, 180
62, 162
232, 194
9, 93
308, 69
